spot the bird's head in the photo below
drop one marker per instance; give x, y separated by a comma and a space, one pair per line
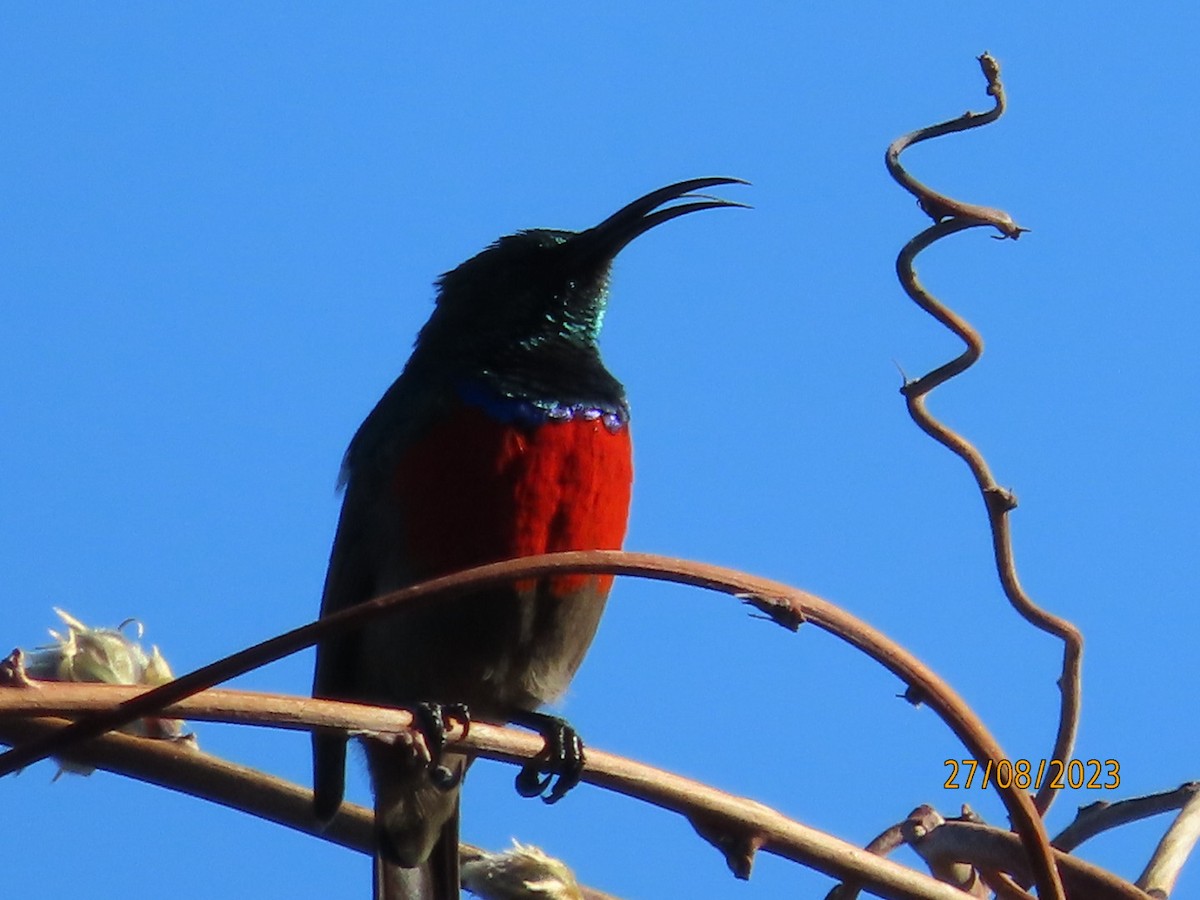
543, 286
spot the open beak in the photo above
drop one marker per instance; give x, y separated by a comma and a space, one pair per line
607, 239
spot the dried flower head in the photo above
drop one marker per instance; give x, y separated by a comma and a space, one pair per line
104, 656
522, 873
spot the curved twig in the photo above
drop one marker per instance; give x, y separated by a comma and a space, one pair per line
881, 845
911, 832
921, 822
991, 848
1096, 818
785, 605
939, 206
196, 773
998, 501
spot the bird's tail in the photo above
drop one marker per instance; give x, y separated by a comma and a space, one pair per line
329, 774
435, 879
416, 826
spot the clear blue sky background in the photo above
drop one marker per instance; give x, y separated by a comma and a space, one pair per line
221, 223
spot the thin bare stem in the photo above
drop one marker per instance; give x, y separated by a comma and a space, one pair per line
997, 500
785, 605
1004, 887
939, 206
880, 845
994, 849
1172, 851
1102, 816
911, 832
921, 822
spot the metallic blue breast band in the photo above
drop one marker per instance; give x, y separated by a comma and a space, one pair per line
531, 413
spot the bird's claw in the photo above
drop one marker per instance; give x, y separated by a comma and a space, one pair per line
561, 766
530, 782
432, 720
444, 778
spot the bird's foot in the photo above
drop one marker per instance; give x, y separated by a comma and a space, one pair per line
561, 766
431, 720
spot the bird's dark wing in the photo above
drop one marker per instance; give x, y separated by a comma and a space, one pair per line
351, 579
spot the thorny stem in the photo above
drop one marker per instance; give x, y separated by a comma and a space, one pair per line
951, 217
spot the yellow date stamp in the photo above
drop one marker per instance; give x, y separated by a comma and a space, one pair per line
1093, 774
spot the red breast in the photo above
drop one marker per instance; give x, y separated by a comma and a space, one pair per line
475, 490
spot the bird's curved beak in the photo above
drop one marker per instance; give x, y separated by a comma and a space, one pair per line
606, 240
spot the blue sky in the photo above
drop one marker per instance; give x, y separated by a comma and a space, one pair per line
221, 226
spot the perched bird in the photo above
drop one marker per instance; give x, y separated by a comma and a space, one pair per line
504, 436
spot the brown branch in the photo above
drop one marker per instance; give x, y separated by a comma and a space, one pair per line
998, 501
909, 833
1174, 847
995, 849
881, 845
181, 768
994, 852
1004, 886
196, 773
963, 873
939, 206
785, 605
1101, 816
920, 823
1158, 878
